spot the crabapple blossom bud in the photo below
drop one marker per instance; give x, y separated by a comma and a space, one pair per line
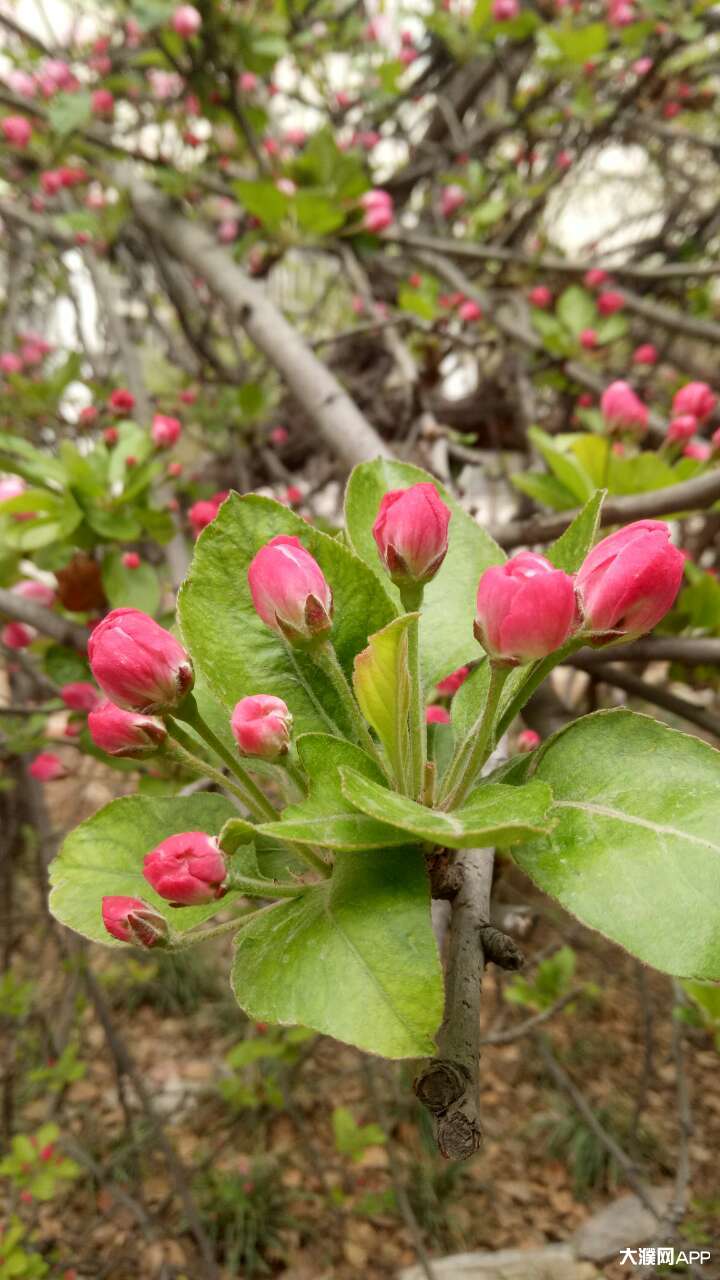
16, 130
187, 870
88, 416
131, 560
715, 439
279, 436
528, 740
469, 311
17, 635
247, 82
541, 297
589, 339
645, 354
696, 398
452, 198
525, 609
378, 217
47, 767
165, 431
261, 726
10, 363
132, 920
121, 400
682, 428
622, 408
11, 487
40, 592
435, 714
289, 590
698, 450
111, 435
505, 10
186, 21
450, 685
138, 664
628, 581
610, 302
202, 513
80, 695
595, 277
125, 733
102, 102
411, 533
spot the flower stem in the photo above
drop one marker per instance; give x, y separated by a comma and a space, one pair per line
326, 659
417, 730
183, 750
477, 744
185, 941
255, 800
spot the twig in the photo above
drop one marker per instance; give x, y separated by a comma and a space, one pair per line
530, 1024
655, 694
48, 623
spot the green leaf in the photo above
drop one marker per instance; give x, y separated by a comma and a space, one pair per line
237, 653
317, 214
355, 958
69, 111
104, 856
612, 328
545, 489
635, 853
130, 588
574, 44
19, 456
63, 665
576, 308
351, 1138
265, 201
446, 638
54, 518
571, 548
564, 466
325, 817
382, 687
493, 814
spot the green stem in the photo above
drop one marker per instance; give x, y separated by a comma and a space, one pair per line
238, 922
326, 659
183, 750
255, 800
417, 728
253, 888
538, 672
477, 745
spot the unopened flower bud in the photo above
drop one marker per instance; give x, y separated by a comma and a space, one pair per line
261, 726
289, 590
132, 920
621, 408
187, 870
125, 733
138, 664
411, 533
696, 398
628, 581
525, 609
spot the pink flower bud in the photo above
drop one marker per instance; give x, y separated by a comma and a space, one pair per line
541, 297
595, 277
504, 10
646, 354
138, 664
452, 198
261, 726
132, 920
17, 635
201, 514
165, 431
40, 592
88, 416
622, 408
121, 400
682, 428
186, 21
279, 436
102, 102
411, 533
696, 398
125, 733
525, 609
698, 450
641, 66
247, 82
111, 436
16, 130
528, 740
80, 695
187, 870
378, 218
610, 302
131, 560
628, 581
289, 590
450, 685
436, 715
11, 487
469, 311
47, 767
10, 363
588, 339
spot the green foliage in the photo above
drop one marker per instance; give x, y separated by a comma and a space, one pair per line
16, 997
57, 1075
353, 1139
553, 978
36, 1166
15, 1262
244, 1215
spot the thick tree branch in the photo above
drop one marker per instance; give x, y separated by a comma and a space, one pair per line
43, 620
339, 421
611, 673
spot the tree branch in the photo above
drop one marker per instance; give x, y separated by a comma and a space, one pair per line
652, 693
47, 623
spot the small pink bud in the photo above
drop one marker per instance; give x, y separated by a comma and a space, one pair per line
201, 514
563, 161
469, 311
17, 635
411, 533
528, 740
541, 297
261, 726
16, 130
682, 428
132, 920
102, 102
131, 560
130, 461
378, 218
452, 198
505, 10
525, 609
589, 339
628, 581
698, 450
186, 21
289, 590
111, 435
80, 695
621, 408
279, 436
11, 487
165, 431
10, 363
121, 400
645, 354
47, 767
138, 664
40, 592
696, 398
189, 395
228, 230
125, 733
187, 870
595, 277
247, 82
437, 715
610, 302
175, 469
293, 496
450, 685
